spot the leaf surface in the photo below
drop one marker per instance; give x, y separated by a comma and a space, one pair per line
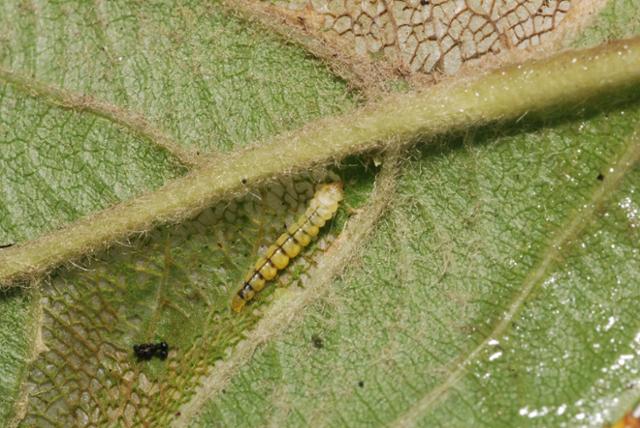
497, 289
203, 79
505, 299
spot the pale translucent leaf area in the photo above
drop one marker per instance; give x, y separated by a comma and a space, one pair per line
489, 295
425, 36
175, 285
202, 77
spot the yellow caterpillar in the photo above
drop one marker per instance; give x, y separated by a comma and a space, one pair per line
322, 207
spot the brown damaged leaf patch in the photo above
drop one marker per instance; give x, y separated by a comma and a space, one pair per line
426, 36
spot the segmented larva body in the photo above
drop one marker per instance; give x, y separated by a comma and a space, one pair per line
322, 207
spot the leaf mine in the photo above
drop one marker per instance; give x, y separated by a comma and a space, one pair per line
172, 286
424, 36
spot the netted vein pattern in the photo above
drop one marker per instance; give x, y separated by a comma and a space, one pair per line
178, 279
432, 35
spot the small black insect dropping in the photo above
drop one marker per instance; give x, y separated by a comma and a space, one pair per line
146, 351
361, 383
317, 341
244, 181
600, 177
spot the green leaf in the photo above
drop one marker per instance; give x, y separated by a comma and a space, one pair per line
496, 288
499, 290
205, 81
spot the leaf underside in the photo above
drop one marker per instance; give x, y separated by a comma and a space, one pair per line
412, 331
497, 289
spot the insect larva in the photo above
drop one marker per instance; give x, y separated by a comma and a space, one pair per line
322, 208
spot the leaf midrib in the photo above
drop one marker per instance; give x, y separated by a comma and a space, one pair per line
394, 122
